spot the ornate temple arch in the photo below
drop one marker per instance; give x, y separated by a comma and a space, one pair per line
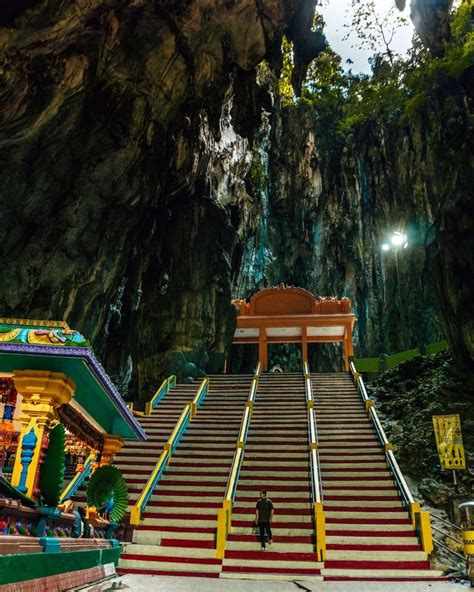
287, 314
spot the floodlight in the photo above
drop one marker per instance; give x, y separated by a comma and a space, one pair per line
398, 239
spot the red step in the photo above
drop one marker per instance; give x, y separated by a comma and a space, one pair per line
276, 524
192, 543
352, 498
271, 556
367, 521
249, 538
171, 559
184, 530
368, 509
377, 565
178, 504
160, 572
271, 570
346, 547
371, 533
282, 512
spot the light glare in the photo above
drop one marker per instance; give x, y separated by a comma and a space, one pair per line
398, 239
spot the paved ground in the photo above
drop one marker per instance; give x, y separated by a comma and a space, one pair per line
132, 583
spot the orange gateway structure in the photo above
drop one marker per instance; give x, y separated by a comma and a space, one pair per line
293, 315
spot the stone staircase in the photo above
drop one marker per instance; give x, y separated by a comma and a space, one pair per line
178, 532
137, 459
368, 532
276, 459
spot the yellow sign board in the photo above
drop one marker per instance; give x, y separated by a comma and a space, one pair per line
449, 441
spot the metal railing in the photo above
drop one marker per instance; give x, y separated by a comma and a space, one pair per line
441, 545
420, 518
78, 479
224, 514
164, 389
315, 467
168, 450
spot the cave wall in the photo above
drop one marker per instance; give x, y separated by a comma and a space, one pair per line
126, 130
150, 176
331, 205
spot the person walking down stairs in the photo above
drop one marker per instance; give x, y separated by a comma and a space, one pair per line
263, 518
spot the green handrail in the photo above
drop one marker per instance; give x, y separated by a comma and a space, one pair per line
164, 389
385, 362
168, 451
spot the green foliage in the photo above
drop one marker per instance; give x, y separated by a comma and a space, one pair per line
107, 482
286, 92
407, 397
52, 471
256, 174
396, 92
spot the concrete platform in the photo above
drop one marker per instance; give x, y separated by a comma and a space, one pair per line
138, 583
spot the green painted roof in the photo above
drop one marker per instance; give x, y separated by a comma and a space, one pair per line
29, 349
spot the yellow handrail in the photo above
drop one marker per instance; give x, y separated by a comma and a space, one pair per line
78, 479
185, 413
224, 514
135, 514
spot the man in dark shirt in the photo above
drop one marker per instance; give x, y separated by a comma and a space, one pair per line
263, 517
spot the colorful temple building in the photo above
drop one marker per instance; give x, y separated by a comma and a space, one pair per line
49, 376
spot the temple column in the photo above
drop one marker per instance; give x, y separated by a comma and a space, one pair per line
348, 347
262, 350
112, 444
42, 394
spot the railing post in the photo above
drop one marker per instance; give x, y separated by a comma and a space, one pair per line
425, 534
320, 527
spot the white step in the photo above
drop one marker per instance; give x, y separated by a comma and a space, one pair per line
274, 547
182, 522
380, 574
364, 540
164, 566
362, 503
268, 564
365, 527
371, 555
158, 551
229, 575
365, 515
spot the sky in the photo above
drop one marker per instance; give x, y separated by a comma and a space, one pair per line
338, 12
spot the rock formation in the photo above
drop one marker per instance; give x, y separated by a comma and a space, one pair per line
149, 176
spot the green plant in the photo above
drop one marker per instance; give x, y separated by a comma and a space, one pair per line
285, 87
107, 489
52, 471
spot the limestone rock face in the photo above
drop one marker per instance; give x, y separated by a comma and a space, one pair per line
126, 132
431, 20
149, 176
330, 203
